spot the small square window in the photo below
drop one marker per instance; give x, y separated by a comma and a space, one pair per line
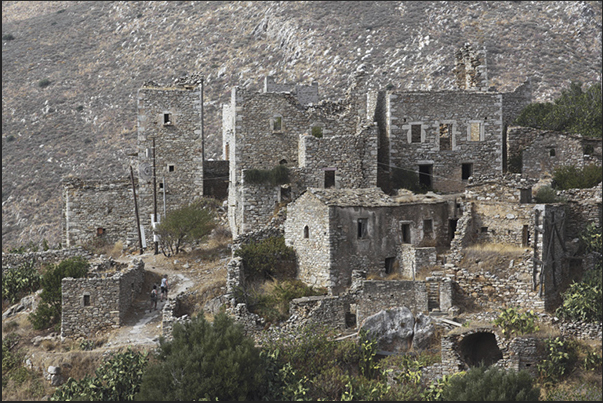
552, 152
171, 168
467, 171
445, 137
86, 300
362, 228
167, 119
484, 230
100, 231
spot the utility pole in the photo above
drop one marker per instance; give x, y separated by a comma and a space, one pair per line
136, 209
202, 117
155, 201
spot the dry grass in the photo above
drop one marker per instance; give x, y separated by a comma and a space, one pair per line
502, 248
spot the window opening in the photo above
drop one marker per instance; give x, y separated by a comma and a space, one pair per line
525, 236
167, 119
100, 231
415, 132
283, 162
451, 228
285, 193
329, 179
428, 228
317, 131
226, 151
525, 195
467, 171
475, 129
445, 136
405, 233
484, 230
171, 168
86, 300
552, 152
306, 232
389, 264
362, 228
160, 185
277, 123
426, 175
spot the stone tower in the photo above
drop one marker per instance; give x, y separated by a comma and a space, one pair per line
471, 69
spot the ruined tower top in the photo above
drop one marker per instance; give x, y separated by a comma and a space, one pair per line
471, 69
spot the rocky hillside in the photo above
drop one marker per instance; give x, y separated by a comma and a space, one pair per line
71, 70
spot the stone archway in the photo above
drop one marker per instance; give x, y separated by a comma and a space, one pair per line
479, 348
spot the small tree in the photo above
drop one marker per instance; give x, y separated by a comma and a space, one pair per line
186, 224
49, 308
570, 177
205, 361
492, 384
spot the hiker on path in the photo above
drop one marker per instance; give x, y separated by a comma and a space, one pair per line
153, 298
164, 287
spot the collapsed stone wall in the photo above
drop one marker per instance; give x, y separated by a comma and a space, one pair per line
514, 102
51, 256
377, 295
97, 303
471, 69
412, 259
499, 188
327, 311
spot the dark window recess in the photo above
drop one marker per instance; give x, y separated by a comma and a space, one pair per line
171, 168
285, 193
428, 227
362, 228
405, 233
167, 119
467, 171
306, 232
160, 185
451, 228
525, 195
552, 152
525, 236
484, 230
415, 132
425, 175
100, 231
329, 179
389, 264
445, 137
86, 300
283, 162
277, 124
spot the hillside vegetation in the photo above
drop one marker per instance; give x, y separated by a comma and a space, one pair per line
71, 70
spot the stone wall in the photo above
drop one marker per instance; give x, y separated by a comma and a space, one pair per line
551, 150
52, 256
412, 259
583, 208
172, 116
98, 303
479, 113
215, 179
377, 295
328, 311
95, 208
305, 94
471, 69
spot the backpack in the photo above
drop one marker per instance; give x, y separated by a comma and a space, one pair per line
153, 294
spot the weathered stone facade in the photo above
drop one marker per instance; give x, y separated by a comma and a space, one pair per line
52, 256
101, 302
337, 231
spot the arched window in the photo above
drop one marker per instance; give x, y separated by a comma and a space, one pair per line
306, 232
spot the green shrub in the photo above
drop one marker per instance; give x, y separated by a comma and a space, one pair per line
575, 111
205, 361
514, 323
263, 259
117, 379
570, 177
20, 281
186, 225
11, 358
273, 306
317, 131
560, 355
48, 312
278, 175
8, 37
546, 194
491, 384
44, 83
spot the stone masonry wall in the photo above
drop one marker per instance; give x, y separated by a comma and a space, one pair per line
583, 208
326, 311
178, 149
313, 252
13, 260
461, 110
109, 300
90, 205
551, 150
377, 295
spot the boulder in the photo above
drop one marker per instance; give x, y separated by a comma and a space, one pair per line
423, 332
393, 328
